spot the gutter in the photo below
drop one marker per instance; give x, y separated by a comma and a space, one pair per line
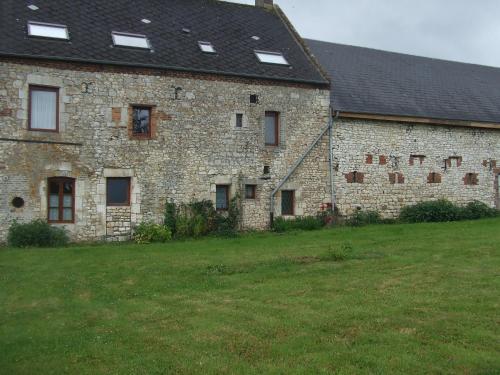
166, 67
299, 161
333, 117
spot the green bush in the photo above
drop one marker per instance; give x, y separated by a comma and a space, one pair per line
37, 233
430, 211
361, 218
281, 224
199, 218
150, 232
477, 210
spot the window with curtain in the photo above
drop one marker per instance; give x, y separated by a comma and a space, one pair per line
61, 200
141, 122
43, 108
272, 129
222, 197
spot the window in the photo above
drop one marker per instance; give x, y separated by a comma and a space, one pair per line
206, 47
222, 197
287, 202
355, 177
267, 169
239, 120
130, 40
43, 108
141, 122
254, 99
272, 128
434, 178
471, 179
61, 200
250, 191
47, 30
118, 191
271, 57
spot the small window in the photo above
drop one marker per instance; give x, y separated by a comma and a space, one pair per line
267, 169
61, 200
272, 128
222, 197
254, 99
239, 120
130, 40
471, 179
118, 191
287, 203
43, 108
250, 191
47, 30
271, 57
434, 178
141, 122
206, 47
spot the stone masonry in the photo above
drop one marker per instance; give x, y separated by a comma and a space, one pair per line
195, 143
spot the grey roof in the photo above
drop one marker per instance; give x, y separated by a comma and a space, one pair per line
370, 81
229, 27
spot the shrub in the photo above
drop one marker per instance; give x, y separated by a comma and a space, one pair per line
338, 254
361, 218
281, 224
150, 232
199, 218
37, 233
430, 211
477, 210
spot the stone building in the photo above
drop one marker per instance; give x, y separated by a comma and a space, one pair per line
107, 114
108, 111
410, 129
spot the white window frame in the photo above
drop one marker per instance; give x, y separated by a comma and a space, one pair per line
48, 25
261, 54
130, 35
209, 45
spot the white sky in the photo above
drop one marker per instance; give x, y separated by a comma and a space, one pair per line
460, 30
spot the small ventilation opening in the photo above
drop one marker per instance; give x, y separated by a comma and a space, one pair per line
267, 169
18, 202
254, 99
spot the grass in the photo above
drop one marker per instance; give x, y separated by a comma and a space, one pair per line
419, 299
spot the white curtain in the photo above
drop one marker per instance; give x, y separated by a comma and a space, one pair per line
43, 110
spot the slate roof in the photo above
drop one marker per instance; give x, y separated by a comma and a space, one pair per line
371, 81
229, 27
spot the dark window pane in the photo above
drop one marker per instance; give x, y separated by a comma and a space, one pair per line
54, 187
250, 191
239, 120
287, 202
118, 191
221, 199
271, 131
141, 121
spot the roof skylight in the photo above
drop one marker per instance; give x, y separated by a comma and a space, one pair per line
271, 57
145, 20
206, 47
130, 40
47, 30
33, 7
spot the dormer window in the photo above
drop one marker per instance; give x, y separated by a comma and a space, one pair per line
130, 40
271, 57
47, 30
206, 47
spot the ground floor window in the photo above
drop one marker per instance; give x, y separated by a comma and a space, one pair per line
287, 202
61, 200
118, 191
250, 191
222, 197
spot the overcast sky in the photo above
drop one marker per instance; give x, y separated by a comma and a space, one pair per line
460, 30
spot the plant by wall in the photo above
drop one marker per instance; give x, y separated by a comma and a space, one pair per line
199, 218
37, 233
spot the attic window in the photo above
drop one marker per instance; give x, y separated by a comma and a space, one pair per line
206, 47
47, 30
271, 57
33, 7
130, 40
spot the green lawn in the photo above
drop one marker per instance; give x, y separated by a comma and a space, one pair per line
411, 299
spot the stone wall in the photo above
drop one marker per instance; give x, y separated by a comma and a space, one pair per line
195, 144
394, 163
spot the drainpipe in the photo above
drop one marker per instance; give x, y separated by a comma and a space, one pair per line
301, 159
330, 157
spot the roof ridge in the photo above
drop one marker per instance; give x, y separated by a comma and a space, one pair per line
404, 54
